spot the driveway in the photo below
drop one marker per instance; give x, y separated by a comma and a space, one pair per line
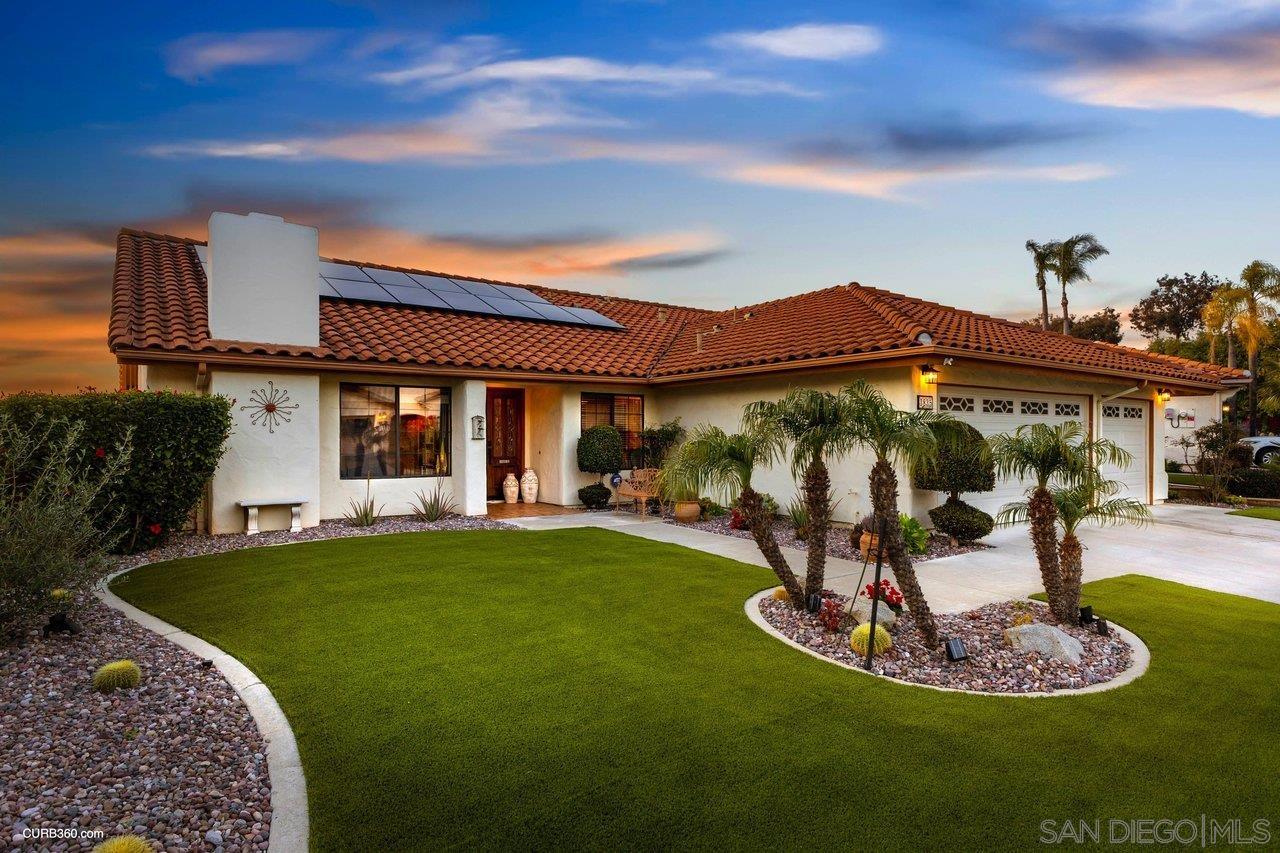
1198, 546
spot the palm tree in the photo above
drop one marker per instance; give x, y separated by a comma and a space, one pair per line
1091, 500
1259, 282
1070, 263
1220, 315
713, 461
1048, 454
816, 426
895, 437
1042, 257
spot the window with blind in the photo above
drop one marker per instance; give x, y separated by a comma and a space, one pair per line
625, 412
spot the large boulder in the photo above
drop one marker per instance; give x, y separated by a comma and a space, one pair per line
1045, 640
859, 609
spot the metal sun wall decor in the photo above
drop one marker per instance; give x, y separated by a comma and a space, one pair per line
269, 407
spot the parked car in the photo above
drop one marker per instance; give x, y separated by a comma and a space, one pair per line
1266, 448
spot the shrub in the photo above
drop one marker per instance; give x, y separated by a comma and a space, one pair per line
123, 844
914, 534
53, 507
961, 464
595, 496
1254, 483
710, 509
117, 675
831, 614
177, 440
798, 513
656, 442
1023, 618
770, 504
1172, 467
737, 521
858, 639
363, 513
600, 450
434, 506
962, 522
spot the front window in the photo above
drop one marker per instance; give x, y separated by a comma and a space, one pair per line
393, 431
625, 412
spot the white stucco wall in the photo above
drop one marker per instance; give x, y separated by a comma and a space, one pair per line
1183, 416
167, 377
263, 464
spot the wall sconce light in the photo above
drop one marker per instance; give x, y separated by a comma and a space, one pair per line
477, 427
928, 374
1164, 395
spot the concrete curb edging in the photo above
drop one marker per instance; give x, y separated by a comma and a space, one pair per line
290, 821
1141, 660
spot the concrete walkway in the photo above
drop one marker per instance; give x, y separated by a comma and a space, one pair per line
1198, 546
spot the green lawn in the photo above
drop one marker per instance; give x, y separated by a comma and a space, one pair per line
1271, 513
585, 688
1188, 479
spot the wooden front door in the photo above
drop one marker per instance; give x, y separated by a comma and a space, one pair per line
505, 436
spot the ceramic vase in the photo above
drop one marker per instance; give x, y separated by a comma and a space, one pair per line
529, 486
511, 488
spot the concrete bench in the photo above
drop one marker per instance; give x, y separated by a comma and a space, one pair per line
251, 513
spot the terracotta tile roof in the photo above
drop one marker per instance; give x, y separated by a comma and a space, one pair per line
159, 302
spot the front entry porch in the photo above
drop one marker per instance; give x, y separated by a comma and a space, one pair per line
499, 510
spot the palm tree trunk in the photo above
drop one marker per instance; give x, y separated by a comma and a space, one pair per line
1066, 315
1253, 393
1231, 350
884, 503
817, 499
762, 531
1071, 554
1043, 515
1044, 302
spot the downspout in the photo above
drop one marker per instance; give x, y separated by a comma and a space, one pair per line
204, 518
1144, 384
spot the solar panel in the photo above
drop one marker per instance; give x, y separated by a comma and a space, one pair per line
363, 290
465, 302
514, 308
343, 271
479, 288
411, 294
388, 276
554, 312
436, 282
326, 289
518, 293
594, 318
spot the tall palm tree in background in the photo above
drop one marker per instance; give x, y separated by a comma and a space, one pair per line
1259, 285
1070, 263
815, 424
1062, 455
715, 462
1091, 500
895, 437
1219, 316
1041, 258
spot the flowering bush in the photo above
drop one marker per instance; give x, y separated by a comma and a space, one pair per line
736, 521
888, 593
830, 614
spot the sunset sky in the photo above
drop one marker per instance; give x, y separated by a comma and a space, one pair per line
709, 154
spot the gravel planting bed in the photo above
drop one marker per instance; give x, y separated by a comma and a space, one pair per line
193, 545
992, 667
838, 544
178, 760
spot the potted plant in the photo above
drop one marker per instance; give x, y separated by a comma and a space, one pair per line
868, 540
682, 491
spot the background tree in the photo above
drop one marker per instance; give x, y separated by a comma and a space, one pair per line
816, 426
1220, 315
1070, 264
1259, 286
1101, 325
1174, 308
1041, 256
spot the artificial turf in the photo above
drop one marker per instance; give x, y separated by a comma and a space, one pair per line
1271, 513
585, 688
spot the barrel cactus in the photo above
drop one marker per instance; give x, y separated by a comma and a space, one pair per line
123, 844
858, 639
780, 594
116, 675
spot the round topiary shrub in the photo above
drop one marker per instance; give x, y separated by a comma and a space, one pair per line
600, 450
595, 496
116, 675
123, 844
962, 463
780, 594
858, 639
960, 521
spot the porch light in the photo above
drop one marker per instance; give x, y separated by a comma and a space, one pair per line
928, 374
956, 650
1164, 395
477, 427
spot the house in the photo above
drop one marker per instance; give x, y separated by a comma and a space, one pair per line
345, 372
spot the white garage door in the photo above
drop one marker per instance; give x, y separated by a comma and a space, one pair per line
1126, 422
994, 411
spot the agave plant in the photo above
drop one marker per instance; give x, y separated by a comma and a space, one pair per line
1090, 500
364, 513
435, 506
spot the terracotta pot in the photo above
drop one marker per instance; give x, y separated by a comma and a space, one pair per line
687, 512
510, 489
870, 544
529, 486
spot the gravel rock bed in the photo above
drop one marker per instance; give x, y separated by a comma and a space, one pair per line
838, 544
195, 545
992, 667
177, 760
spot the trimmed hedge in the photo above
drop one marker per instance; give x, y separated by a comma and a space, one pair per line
960, 520
595, 496
1254, 483
177, 440
961, 465
600, 450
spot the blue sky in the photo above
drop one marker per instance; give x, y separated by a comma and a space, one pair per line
709, 154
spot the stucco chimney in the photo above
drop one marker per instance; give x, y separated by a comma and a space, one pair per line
262, 280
